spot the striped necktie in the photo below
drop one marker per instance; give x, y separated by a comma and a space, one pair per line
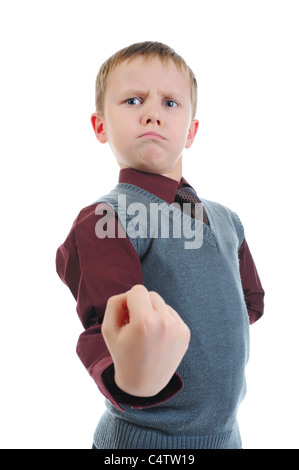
186, 194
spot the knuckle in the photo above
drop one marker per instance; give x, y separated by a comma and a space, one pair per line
154, 294
138, 288
112, 300
145, 325
105, 329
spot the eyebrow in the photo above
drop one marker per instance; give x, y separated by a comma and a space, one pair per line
133, 92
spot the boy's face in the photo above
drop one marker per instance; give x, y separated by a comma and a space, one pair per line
147, 116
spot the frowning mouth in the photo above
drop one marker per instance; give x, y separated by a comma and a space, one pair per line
152, 135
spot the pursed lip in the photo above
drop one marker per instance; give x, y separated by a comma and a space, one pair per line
152, 135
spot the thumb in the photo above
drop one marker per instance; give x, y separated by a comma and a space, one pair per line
116, 314
138, 302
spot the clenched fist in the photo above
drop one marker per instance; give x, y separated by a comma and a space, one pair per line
146, 338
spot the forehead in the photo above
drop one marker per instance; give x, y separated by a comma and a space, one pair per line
148, 72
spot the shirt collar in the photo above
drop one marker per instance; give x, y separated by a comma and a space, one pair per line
159, 185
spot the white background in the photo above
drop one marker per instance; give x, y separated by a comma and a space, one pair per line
245, 57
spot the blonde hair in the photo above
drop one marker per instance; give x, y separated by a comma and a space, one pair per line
145, 49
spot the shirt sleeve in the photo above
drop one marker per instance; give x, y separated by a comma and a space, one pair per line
95, 269
251, 284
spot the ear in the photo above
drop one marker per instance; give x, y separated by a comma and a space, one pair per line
97, 122
192, 133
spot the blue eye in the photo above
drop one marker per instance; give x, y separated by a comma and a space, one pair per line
170, 104
133, 101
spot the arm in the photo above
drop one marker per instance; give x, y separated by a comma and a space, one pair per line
96, 269
252, 287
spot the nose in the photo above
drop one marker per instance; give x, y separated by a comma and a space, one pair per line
151, 115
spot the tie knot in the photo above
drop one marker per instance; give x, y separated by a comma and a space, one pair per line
186, 194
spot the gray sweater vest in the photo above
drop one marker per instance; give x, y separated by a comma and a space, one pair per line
202, 283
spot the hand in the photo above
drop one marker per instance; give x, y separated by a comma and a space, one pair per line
146, 338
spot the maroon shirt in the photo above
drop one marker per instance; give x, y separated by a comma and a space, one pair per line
95, 269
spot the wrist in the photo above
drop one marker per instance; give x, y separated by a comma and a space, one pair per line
137, 387
174, 386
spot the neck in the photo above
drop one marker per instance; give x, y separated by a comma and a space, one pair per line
176, 173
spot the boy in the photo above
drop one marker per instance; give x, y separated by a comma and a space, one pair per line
167, 323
